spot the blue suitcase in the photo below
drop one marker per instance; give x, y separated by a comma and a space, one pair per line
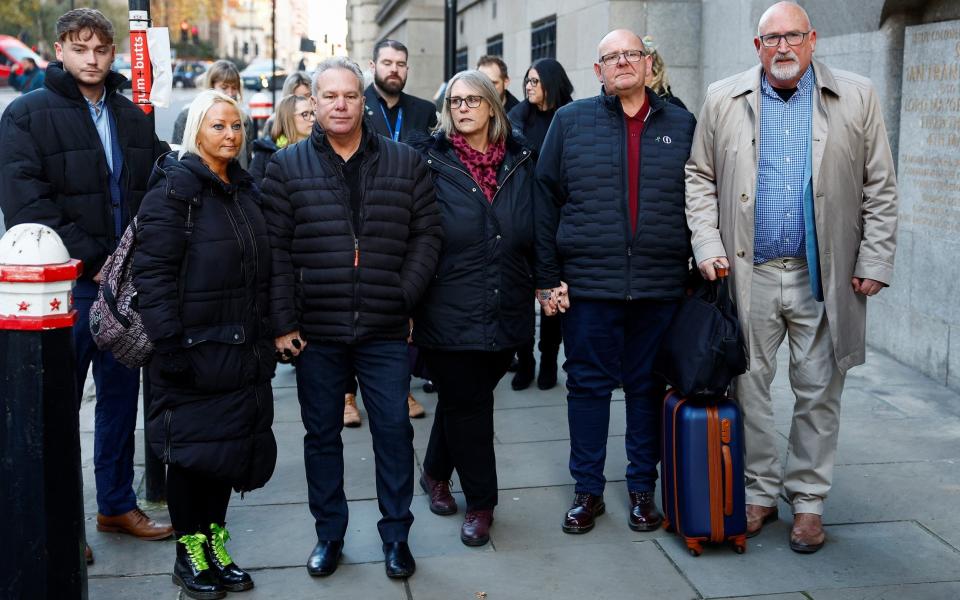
702, 471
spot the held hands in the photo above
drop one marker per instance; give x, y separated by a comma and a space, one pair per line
708, 267
289, 346
867, 287
554, 300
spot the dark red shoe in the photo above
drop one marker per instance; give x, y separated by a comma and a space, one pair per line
441, 500
586, 507
644, 515
475, 530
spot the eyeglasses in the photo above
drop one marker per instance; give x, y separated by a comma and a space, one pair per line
772, 40
472, 101
307, 115
531, 81
614, 57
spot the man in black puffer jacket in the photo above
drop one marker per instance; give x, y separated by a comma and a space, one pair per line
355, 235
76, 156
613, 250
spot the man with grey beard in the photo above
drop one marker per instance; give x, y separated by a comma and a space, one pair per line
791, 179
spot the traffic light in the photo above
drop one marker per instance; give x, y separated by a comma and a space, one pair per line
196, 34
184, 30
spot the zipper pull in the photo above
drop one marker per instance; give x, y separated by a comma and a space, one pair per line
356, 253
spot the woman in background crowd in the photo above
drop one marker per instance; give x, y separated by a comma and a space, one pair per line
292, 122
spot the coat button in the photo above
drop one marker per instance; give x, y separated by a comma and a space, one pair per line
236, 336
429, 162
740, 253
496, 291
474, 189
743, 198
498, 236
189, 340
629, 298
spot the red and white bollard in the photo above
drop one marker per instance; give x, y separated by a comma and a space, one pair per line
41, 495
261, 107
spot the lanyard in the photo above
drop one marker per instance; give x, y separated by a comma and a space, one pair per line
394, 133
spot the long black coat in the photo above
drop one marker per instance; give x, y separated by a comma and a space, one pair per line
334, 283
480, 297
263, 151
206, 294
53, 170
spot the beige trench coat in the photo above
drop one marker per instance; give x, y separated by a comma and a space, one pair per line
854, 184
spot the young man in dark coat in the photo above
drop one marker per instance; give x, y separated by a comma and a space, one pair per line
394, 114
613, 250
355, 235
76, 156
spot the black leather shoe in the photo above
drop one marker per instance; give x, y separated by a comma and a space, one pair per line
524, 375
547, 378
580, 518
191, 571
397, 560
325, 557
644, 515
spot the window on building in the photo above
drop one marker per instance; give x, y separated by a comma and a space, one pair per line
543, 38
494, 9
495, 45
461, 61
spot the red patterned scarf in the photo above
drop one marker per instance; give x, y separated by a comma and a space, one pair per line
482, 165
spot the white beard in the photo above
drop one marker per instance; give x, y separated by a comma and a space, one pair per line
784, 70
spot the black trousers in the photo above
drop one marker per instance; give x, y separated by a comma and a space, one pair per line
550, 338
462, 434
195, 500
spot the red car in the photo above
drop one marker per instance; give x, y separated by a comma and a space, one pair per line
12, 51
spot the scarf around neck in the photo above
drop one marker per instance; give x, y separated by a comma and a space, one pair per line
482, 165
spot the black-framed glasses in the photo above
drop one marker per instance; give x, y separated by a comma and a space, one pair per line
614, 57
772, 40
472, 101
307, 115
531, 80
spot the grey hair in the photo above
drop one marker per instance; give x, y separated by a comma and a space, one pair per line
481, 84
293, 81
337, 62
198, 110
767, 12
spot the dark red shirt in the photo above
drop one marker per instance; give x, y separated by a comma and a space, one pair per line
634, 131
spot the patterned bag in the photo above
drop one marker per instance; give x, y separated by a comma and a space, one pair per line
115, 323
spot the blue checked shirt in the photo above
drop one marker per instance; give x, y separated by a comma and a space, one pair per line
101, 120
784, 142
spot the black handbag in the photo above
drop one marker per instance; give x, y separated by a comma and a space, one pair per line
703, 348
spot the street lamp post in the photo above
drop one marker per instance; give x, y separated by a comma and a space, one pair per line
450, 40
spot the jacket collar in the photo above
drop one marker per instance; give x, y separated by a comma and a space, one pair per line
612, 102
749, 80
373, 98
369, 142
438, 142
60, 81
185, 178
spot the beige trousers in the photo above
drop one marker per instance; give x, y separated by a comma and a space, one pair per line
782, 305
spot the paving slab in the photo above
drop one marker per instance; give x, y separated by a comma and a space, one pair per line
869, 554
790, 596
546, 423
638, 571
919, 591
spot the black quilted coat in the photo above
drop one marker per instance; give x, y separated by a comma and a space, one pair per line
53, 170
481, 295
583, 232
205, 293
334, 283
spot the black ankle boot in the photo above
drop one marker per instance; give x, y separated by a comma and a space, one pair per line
192, 572
524, 375
547, 378
231, 576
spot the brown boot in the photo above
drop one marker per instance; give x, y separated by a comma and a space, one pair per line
807, 535
351, 414
758, 516
135, 523
414, 408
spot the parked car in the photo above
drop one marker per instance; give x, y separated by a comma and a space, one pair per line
257, 75
12, 51
186, 73
121, 64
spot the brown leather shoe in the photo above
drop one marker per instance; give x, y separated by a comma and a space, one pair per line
644, 515
88, 554
351, 414
807, 535
475, 530
414, 408
442, 501
586, 507
758, 516
135, 523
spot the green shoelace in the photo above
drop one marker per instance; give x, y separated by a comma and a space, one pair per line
195, 544
218, 542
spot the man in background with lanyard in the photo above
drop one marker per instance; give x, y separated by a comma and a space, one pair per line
392, 113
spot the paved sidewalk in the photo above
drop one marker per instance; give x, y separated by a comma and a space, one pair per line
892, 521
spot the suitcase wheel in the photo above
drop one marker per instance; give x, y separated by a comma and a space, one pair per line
694, 547
740, 544
667, 525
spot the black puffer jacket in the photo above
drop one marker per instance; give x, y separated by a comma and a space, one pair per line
581, 206
330, 282
53, 170
481, 295
263, 151
206, 294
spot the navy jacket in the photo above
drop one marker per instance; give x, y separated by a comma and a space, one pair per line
582, 226
419, 115
480, 297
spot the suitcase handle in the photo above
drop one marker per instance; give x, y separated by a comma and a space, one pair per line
727, 480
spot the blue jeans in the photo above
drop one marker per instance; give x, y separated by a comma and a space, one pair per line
383, 371
608, 343
115, 414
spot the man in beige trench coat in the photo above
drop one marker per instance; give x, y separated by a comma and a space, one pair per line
791, 179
